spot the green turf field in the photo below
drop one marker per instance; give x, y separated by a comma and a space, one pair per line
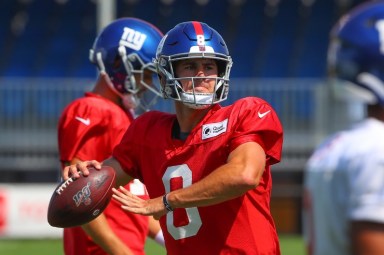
290, 245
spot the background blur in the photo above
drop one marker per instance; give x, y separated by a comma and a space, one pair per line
279, 49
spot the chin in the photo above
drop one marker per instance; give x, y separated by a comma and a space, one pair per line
197, 106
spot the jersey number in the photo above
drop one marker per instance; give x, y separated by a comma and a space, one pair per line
194, 220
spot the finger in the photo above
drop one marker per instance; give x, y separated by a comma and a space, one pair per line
73, 172
118, 193
135, 210
96, 164
119, 199
65, 173
83, 167
125, 191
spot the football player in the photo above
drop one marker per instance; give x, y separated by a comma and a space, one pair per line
344, 178
207, 168
91, 126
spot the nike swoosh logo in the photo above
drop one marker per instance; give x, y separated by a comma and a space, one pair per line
261, 115
84, 121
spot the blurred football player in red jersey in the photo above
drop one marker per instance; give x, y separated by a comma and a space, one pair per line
207, 168
90, 127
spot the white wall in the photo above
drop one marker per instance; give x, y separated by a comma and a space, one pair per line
23, 211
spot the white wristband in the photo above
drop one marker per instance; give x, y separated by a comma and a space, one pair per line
159, 238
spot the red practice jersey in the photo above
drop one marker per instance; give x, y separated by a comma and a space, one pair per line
242, 225
89, 128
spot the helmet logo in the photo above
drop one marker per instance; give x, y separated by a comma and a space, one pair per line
133, 39
201, 47
201, 42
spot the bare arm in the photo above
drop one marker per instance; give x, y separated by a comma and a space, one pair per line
154, 231
154, 228
101, 233
241, 173
367, 238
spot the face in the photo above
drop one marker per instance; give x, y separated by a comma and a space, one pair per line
199, 67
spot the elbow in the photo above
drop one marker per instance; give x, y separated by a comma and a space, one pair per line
249, 180
250, 183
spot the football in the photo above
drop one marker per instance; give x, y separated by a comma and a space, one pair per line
78, 201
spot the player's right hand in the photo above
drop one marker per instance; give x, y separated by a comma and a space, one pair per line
75, 169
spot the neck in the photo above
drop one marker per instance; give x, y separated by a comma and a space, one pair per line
376, 111
187, 117
103, 89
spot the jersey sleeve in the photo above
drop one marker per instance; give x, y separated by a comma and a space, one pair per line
258, 122
367, 189
127, 150
133, 150
74, 136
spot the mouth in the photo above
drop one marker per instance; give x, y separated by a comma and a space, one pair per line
201, 89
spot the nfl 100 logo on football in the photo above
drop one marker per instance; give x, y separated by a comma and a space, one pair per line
83, 196
133, 39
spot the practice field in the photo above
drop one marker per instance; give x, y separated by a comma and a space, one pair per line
290, 245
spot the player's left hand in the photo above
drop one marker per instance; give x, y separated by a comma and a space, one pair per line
132, 203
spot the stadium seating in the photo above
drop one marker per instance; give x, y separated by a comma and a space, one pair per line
266, 38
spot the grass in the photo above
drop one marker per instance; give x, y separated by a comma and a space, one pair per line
290, 245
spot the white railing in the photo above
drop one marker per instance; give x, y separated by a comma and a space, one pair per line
29, 111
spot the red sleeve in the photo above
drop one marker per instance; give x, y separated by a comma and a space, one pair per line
257, 121
74, 134
131, 152
90, 128
127, 151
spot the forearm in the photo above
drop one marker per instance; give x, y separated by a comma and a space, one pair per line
218, 187
242, 172
101, 233
153, 227
367, 238
154, 231
122, 177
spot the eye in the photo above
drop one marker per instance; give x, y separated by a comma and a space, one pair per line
188, 66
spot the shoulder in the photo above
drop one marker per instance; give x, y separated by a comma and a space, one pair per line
249, 102
148, 127
96, 110
153, 118
92, 102
253, 108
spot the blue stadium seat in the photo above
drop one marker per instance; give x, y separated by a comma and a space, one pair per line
246, 41
281, 43
312, 59
287, 45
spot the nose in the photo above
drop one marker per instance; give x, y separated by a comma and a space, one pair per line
200, 71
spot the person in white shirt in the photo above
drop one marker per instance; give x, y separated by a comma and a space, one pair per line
343, 206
